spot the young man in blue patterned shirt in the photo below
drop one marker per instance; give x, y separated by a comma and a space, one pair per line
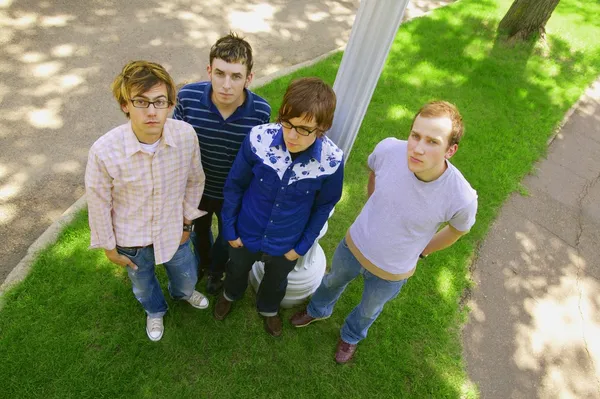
222, 111
282, 187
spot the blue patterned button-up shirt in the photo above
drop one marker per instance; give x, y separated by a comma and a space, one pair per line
275, 204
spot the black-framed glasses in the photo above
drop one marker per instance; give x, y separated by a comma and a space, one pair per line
158, 104
302, 131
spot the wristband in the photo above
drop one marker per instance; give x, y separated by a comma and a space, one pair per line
188, 227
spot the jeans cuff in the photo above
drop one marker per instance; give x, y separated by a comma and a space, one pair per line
267, 314
156, 315
315, 315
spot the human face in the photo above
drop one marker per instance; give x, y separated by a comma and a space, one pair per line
148, 123
228, 82
428, 147
296, 142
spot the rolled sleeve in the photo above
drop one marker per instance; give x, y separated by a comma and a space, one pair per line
195, 185
98, 185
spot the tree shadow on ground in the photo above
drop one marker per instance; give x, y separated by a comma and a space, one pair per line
414, 348
59, 58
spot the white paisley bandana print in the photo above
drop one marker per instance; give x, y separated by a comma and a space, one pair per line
278, 157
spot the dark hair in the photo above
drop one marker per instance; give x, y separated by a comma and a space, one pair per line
312, 98
232, 49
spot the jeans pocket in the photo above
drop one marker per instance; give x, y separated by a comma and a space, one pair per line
128, 251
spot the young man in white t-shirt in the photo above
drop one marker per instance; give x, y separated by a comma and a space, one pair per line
413, 190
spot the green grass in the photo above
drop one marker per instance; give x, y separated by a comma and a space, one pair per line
73, 328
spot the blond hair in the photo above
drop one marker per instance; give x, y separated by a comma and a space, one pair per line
435, 109
138, 77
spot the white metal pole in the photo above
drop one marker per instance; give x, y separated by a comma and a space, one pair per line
372, 35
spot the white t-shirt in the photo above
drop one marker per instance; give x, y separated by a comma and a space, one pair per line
150, 148
404, 213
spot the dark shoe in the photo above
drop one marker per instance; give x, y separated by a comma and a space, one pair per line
344, 351
214, 284
222, 308
302, 319
273, 325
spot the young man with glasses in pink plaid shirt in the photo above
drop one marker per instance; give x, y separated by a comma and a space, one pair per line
144, 181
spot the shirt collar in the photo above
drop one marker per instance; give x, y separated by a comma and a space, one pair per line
314, 149
132, 144
244, 110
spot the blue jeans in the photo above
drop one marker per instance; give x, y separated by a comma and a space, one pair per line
182, 271
377, 292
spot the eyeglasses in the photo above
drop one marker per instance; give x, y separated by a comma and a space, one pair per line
158, 104
302, 131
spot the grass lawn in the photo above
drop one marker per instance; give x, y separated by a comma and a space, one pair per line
73, 328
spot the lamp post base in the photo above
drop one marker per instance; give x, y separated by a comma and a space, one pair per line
302, 281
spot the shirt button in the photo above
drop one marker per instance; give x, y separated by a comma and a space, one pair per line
271, 220
265, 236
307, 192
277, 205
283, 188
261, 179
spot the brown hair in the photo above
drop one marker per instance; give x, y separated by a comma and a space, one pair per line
312, 98
232, 49
436, 109
138, 77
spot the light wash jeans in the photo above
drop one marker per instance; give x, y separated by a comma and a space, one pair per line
182, 271
377, 292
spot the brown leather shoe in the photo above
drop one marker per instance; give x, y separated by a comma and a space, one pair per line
302, 319
344, 351
273, 325
222, 308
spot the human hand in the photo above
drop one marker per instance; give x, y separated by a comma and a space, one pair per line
291, 255
119, 259
184, 237
237, 243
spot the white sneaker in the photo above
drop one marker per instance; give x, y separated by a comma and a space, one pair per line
154, 328
198, 300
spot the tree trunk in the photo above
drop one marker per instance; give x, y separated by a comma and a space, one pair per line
527, 18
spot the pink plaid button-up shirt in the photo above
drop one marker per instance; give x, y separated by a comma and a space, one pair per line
136, 198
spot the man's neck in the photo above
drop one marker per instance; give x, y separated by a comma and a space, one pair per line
226, 110
144, 139
428, 178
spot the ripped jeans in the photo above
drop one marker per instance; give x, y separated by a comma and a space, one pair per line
182, 270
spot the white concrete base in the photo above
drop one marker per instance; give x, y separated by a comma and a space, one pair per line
302, 281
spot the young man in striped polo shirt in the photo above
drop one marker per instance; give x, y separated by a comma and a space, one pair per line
222, 111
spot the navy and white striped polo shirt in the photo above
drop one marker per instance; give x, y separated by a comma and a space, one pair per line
219, 139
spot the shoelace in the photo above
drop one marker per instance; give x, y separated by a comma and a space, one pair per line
196, 298
155, 325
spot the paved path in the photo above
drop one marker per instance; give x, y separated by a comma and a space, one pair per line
534, 330
57, 59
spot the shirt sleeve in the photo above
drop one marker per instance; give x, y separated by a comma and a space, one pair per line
195, 184
328, 196
237, 183
376, 158
464, 219
98, 186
